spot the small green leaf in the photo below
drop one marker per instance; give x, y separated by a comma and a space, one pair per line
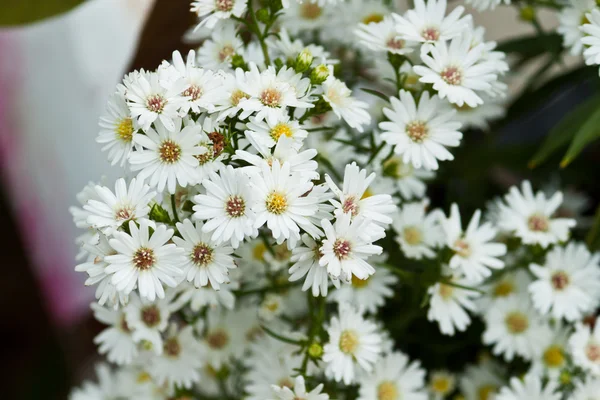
532, 46
565, 130
588, 132
20, 12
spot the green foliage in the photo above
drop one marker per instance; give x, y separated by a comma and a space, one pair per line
20, 12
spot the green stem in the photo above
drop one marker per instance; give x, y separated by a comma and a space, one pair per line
282, 338
456, 285
173, 204
592, 235
261, 37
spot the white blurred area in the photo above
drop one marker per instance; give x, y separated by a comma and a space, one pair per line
55, 77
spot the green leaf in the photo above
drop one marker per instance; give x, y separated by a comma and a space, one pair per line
20, 12
531, 46
565, 130
588, 132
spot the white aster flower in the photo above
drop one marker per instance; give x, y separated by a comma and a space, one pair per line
587, 390
406, 179
475, 253
269, 134
198, 297
144, 260
208, 263
481, 381
482, 5
117, 128
530, 217
514, 328
458, 71
168, 157
345, 250
354, 344
114, 209
305, 258
418, 232
591, 38
228, 104
420, 133
213, 11
147, 320
299, 391
441, 384
225, 337
226, 206
394, 377
508, 284
571, 18
585, 348
213, 141
304, 16
568, 284
553, 359
530, 388
216, 53
346, 107
382, 37
116, 341
151, 97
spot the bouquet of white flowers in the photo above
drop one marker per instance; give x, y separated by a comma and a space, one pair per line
273, 238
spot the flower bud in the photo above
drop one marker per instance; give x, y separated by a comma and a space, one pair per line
263, 15
315, 350
319, 74
304, 60
527, 13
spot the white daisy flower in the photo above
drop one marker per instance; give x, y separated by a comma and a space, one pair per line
228, 104
482, 5
587, 390
304, 16
475, 253
369, 293
345, 250
271, 307
292, 49
299, 391
208, 263
281, 204
530, 388
216, 53
150, 97
213, 11
508, 284
529, 216
117, 128
124, 205
449, 304
382, 37
116, 341
394, 377
226, 206
198, 297
458, 71
568, 284
354, 345
180, 361
418, 232
147, 320
225, 337
346, 107
355, 199
585, 348
420, 133
269, 134
571, 18
406, 179
514, 328
481, 381
553, 359
441, 384
213, 140
272, 92
591, 38
305, 258
168, 157
144, 260
428, 22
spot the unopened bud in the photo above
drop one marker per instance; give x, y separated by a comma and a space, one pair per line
237, 61
315, 350
319, 74
304, 60
527, 13
263, 15
564, 377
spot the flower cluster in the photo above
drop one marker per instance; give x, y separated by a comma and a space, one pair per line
270, 209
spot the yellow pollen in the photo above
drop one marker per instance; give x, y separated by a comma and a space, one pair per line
281, 129
276, 203
486, 392
170, 152
310, 10
359, 283
372, 18
417, 131
348, 342
554, 356
503, 289
446, 291
462, 248
412, 235
516, 322
387, 390
237, 96
124, 130
258, 252
441, 384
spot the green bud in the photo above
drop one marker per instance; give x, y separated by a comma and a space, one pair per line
564, 377
315, 350
527, 13
263, 15
304, 60
237, 61
319, 74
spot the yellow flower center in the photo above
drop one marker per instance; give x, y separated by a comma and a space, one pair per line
276, 203
258, 252
387, 390
375, 17
554, 357
281, 129
417, 131
237, 96
486, 392
359, 283
412, 235
516, 322
441, 385
503, 289
217, 339
538, 223
310, 10
348, 342
143, 258
462, 248
172, 347
446, 291
124, 130
170, 152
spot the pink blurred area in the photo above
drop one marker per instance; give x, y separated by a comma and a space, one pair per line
55, 77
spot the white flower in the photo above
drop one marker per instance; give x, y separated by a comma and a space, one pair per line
269, 134
482, 5
418, 232
441, 384
212, 139
474, 252
114, 209
420, 133
168, 157
585, 348
568, 284
368, 293
291, 50
147, 320
571, 18
458, 71
306, 258
226, 334
213, 11
226, 206
508, 284
299, 391
346, 107
529, 216
449, 304
207, 262
151, 97
481, 381
382, 37
216, 53
180, 360
144, 260
406, 179
281, 204
118, 384
353, 343
428, 23
115, 341
304, 16
356, 200
271, 93
591, 39
514, 328
117, 128
394, 377
553, 358
587, 390
344, 249
198, 297
531, 388
493, 108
